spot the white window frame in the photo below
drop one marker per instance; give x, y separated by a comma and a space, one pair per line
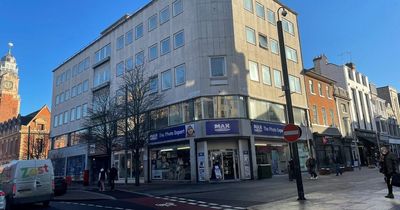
259, 5
273, 41
253, 34
253, 72
264, 69
280, 77
251, 4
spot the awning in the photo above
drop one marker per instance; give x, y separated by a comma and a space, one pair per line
368, 136
330, 131
394, 141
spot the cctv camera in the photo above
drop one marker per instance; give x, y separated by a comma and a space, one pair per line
284, 13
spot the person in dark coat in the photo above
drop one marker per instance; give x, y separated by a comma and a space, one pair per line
113, 176
291, 170
389, 167
338, 162
311, 165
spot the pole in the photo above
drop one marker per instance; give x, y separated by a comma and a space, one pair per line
29, 139
293, 146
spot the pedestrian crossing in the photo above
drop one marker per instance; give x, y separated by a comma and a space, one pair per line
200, 203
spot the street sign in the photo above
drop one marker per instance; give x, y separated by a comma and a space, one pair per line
291, 132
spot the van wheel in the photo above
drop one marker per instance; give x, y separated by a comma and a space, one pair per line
46, 203
7, 204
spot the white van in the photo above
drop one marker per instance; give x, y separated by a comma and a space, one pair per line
27, 181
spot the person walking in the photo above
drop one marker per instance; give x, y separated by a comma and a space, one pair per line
113, 176
389, 167
291, 170
337, 161
102, 179
311, 164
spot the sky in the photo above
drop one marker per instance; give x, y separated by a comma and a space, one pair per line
46, 32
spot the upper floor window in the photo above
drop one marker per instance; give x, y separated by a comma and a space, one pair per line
85, 85
263, 41
78, 112
128, 37
291, 54
250, 35
120, 42
248, 5
164, 15
84, 110
55, 124
152, 22
177, 7
253, 67
358, 78
180, 75
315, 114
343, 108
165, 46
120, 69
266, 75
288, 26
73, 114
271, 16
139, 31
101, 75
324, 117
139, 58
260, 10
320, 89
295, 85
217, 66
332, 115
274, 46
153, 52
311, 86
166, 80
154, 84
103, 53
129, 64
328, 91
350, 73
277, 78
179, 39
66, 114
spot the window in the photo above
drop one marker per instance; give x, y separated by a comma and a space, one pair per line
55, 124
263, 41
165, 46
179, 39
291, 54
299, 116
120, 69
177, 7
248, 5
60, 119
295, 85
128, 37
68, 74
180, 75
73, 92
277, 78
166, 80
260, 10
79, 89
153, 52
85, 85
164, 15
120, 42
152, 22
217, 65
66, 114
324, 116
78, 112
81, 67
67, 95
101, 75
266, 75
357, 77
288, 26
73, 114
84, 110
139, 58
154, 84
253, 67
250, 35
86, 63
315, 114
364, 81
103, 53
129, 64
75, 69
274, 46
311, 86
328, 91
139, 31
262, 110
332, 117
343, 107
271, 16
320, 89
350, 73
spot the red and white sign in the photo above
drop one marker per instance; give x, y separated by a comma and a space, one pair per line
291, 132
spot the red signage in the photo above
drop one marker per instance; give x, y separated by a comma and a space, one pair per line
291, 132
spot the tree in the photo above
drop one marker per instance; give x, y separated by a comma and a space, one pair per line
38, 145
139, 98
101, 122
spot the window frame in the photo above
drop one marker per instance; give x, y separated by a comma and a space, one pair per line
280, 76
128, 41
183, 42
161, 46
137, 27
149, 21
273, 22
162, 80
249, 29
253, 64
120, 42
259, 5
117, 68
251, 4
263, 37
184, 75
153, 48
162, 13
174, 13
320, 92
273, 41
224, 63
155, 77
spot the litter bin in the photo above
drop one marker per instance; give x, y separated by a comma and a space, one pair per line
85, 177
264, 171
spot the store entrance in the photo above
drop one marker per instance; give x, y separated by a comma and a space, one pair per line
223, 165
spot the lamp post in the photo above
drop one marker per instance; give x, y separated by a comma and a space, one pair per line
293, 146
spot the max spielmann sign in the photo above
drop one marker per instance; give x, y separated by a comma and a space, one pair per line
222, 127
267, 129
178, 132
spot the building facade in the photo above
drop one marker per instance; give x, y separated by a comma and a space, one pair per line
26, 137
9, 82
357, 84
217, 64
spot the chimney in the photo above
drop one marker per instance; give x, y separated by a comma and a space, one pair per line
318, 62
351, 65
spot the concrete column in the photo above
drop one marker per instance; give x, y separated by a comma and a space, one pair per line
193, 157
146, 168
253, 157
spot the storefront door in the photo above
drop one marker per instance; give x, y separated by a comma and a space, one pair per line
226, 161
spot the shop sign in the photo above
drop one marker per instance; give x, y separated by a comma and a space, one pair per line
178, 132
222, 127
267, 129
92, 148
201, 166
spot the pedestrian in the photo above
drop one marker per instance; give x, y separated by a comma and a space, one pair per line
311, 165
389, 167
102, 179
113, 176
337, 162
291, 170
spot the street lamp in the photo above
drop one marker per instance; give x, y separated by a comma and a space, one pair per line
293, 146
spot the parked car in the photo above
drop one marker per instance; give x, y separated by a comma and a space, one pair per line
27, 181
60, 185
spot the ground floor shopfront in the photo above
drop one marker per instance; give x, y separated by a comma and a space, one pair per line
368, 147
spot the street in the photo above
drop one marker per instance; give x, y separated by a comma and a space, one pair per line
362, 189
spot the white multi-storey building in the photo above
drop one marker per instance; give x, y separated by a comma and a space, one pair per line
217, 64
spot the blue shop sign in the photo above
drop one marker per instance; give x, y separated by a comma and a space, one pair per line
178, 132
222, 127
267, 129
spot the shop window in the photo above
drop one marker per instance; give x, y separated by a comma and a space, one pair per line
266, 111
175, 114
75, 166
171, 163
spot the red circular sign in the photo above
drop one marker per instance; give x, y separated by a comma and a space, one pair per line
291, 132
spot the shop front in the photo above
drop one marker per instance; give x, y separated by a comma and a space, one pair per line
368, 147
125, 165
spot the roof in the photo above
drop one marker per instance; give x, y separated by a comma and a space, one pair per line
25, 120
315, 75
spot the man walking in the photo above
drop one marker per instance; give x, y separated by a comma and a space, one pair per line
113, 176
102, 179
311, 164
337, 161
389, 167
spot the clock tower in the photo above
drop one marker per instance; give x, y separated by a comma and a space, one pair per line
9, 81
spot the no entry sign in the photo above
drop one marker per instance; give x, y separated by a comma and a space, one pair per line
291, 132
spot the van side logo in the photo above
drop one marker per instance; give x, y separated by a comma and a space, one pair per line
27, 172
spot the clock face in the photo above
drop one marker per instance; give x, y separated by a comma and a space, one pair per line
8, 85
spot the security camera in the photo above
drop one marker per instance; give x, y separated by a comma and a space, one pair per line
284, 13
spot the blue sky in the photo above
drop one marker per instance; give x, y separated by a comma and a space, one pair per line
46, 32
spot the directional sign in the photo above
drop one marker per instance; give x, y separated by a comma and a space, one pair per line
291, 132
